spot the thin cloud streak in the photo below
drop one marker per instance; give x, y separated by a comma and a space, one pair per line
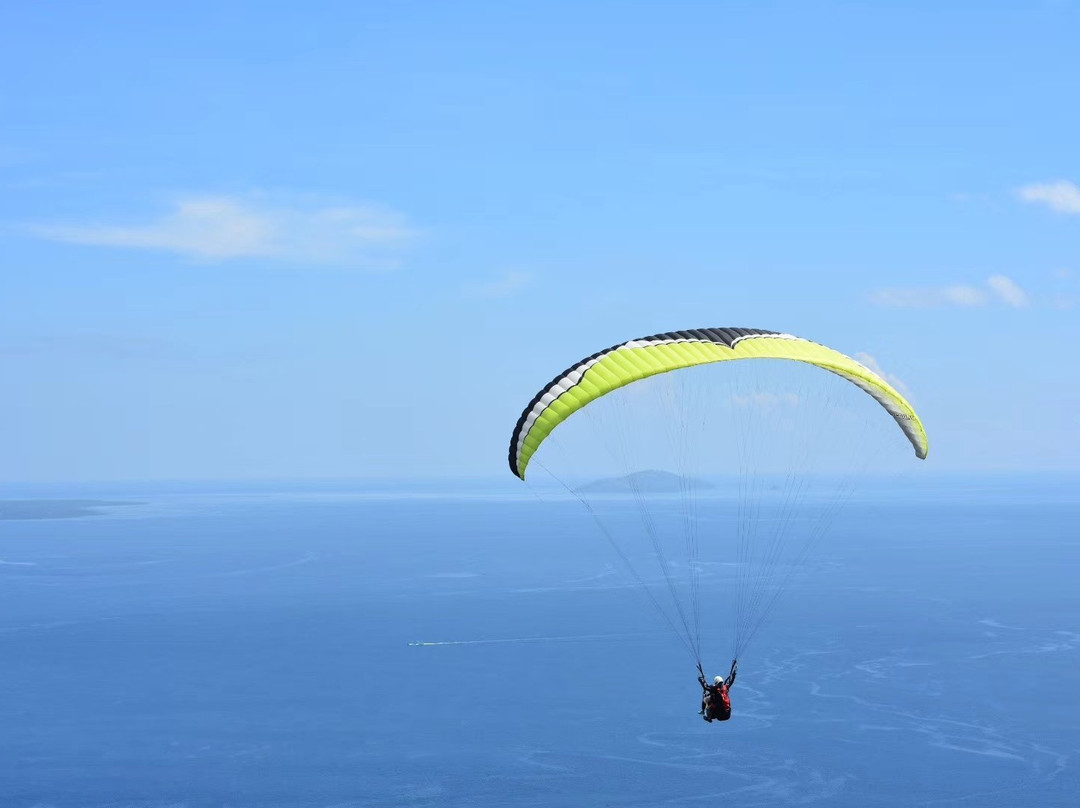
223, 228
1008, 291
929, 297
998, 287
1060, 196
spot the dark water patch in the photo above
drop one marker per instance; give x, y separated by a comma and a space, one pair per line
17, 509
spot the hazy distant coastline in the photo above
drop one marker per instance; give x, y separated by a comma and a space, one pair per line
16, 509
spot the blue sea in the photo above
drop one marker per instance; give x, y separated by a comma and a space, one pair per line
465, 645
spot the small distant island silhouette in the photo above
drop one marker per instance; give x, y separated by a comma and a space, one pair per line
18, 509
651, 481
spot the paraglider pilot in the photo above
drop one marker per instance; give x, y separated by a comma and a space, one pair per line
715, 701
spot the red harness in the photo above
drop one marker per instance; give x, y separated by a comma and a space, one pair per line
719, 703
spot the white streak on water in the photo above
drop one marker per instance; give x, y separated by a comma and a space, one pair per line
563, 638
269, 568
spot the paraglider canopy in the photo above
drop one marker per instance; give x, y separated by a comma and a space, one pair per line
627, 362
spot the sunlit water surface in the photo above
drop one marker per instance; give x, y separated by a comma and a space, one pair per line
226, 648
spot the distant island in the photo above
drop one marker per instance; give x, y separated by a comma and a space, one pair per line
16, 509
647, 482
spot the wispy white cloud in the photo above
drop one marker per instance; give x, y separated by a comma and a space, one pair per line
1060, 195
872, 363
998, 287
509, 284
221, 228
926, 297
1008, 291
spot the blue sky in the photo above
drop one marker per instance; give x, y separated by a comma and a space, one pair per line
352, 239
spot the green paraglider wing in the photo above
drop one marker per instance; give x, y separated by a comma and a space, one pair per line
628, 362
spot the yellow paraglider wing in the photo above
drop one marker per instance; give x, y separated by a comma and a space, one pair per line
628, 362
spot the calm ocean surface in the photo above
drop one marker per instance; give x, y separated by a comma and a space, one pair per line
202, 647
